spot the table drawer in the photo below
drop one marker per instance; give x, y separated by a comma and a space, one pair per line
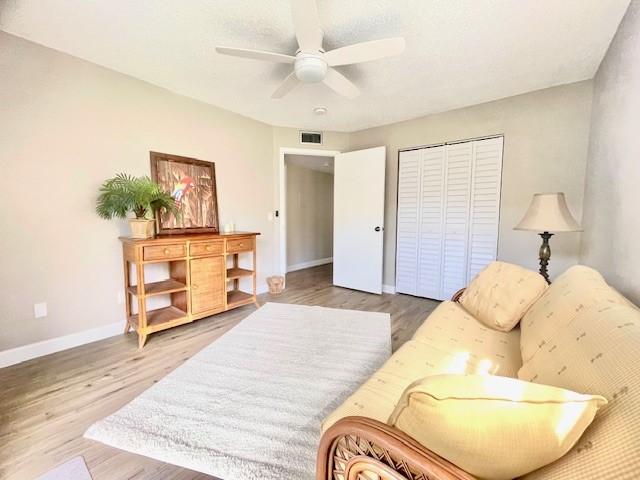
206, 248
240, 245
164, 252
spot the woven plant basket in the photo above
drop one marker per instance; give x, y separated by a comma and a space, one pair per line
141, 228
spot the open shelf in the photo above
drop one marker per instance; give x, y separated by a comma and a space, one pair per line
238, 297
192, 278
162, 318
159, 288
238, 273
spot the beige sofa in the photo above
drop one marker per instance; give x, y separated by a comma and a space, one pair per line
580, 335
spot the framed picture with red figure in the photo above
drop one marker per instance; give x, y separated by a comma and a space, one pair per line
192, 184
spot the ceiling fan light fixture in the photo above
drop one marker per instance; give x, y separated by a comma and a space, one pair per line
310, 68
311, 63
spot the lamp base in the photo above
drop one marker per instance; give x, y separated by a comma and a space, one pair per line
545, 255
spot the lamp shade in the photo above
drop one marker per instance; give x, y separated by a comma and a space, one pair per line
548, 212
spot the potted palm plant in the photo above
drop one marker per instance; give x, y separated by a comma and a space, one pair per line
141, 195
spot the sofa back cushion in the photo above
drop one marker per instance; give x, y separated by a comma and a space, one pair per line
452, 329
475, 421
597, 353
576, 289
501, 293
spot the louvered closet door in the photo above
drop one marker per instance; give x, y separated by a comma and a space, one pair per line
459, 161
448, 216
408, 221
431, 216
485, 204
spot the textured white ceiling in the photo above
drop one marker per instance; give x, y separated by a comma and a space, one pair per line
321, 164
459, 52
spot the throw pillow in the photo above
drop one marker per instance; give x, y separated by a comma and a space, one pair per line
500, 294
494, 427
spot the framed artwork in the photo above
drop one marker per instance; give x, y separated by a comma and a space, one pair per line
192, 184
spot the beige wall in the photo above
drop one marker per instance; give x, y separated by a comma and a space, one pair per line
309, 215
611, 226
65, 126
546, 136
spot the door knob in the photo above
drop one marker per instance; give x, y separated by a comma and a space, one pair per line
377, 229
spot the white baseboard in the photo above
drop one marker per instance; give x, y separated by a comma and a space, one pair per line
53, 345
45, 347
389, 289
312, 263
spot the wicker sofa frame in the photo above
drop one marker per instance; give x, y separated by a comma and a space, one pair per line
361, 448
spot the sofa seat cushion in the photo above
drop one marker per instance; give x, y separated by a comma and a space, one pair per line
501, 294
452, 329
378, 396
576, 289
474, 421
597, 353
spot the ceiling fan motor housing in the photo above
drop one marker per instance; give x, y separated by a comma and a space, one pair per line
310, 67
311, 63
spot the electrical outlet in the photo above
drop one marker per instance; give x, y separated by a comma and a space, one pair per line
40, 310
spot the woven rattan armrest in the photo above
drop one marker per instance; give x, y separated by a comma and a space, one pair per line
456, 296
360, 447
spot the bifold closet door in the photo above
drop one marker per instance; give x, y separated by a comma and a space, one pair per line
448, 214
430, 254
419, 234
484, 214
408, 225
457, 182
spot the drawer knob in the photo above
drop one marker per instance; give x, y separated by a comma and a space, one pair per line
194, 286
241, 244
166, 251
208, 247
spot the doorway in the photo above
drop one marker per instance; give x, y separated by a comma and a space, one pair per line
308, 211
358, 215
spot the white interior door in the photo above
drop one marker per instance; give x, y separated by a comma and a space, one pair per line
358, 219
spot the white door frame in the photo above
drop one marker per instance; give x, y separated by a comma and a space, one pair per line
282, 201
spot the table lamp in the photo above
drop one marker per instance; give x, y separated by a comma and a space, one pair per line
549, 214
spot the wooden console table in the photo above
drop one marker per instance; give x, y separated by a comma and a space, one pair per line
200, 268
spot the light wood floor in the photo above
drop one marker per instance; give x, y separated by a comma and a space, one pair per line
46, 404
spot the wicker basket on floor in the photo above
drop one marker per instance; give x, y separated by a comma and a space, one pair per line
276, 284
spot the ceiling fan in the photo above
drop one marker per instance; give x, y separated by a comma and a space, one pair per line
311, 63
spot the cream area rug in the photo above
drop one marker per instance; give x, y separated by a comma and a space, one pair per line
249, 405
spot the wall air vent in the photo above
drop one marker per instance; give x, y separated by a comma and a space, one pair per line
310, 138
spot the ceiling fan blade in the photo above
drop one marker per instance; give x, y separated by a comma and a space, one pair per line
307, 25
256, 54
365, 51
286, 86
340, 84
